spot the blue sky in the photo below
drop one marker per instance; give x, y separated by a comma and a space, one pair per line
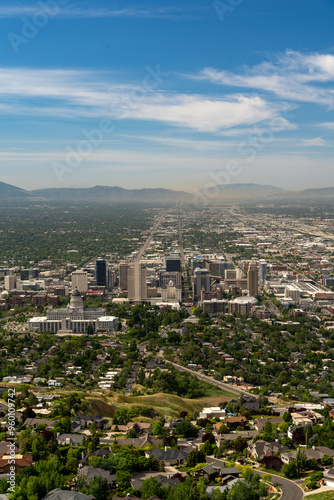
161, 94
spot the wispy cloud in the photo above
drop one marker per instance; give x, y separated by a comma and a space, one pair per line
317, 141
77, 94
326, 125
292, 76
9, 11
187, 144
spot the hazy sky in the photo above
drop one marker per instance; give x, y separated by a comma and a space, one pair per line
167, 94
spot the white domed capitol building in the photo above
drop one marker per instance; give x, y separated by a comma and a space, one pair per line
74, 319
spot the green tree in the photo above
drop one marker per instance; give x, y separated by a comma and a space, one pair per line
98, 487
157, 428
287, 417
195, 457
290, 470
207, 448
301, 460
151, 487
327, 460
123, 479
187, 429
90, 330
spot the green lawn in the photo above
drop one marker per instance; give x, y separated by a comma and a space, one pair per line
272, 472
326, 495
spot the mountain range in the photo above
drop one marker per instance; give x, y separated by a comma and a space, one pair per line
218, 193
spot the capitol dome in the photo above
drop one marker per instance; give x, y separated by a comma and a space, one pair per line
76, 301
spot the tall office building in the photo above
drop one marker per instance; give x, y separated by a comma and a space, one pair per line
196, 262
137, 282
80, 280
230, 274
10, 282
202, 281
165, 278
173, 263
263, 272
252, 279
112, 277
101, 272
28, 274
123, 275
218, 267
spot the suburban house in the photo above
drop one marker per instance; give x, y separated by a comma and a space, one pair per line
306, 417
4, 447
21, 461
210, 489
145, 440
35, 422
101, 453
260, 423
213, 412
70, 439
164, 479
59, 494
89, 473
168, 457
250, 403
217, 426
139, 427
316, 453
85, 421
214, 470
261, 449
234, 422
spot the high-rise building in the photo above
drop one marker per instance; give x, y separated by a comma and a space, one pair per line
196, 262
173, 263
10, 282
252, 279
28, 274
327, 281
112, 276
80, 280
137, 282
202, 281
263, 272
165, 278
230, 274
101, 272
123, 276
218, 267
245, 265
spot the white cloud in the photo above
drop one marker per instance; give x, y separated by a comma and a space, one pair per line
327, 125
186, 143
293, 76
9, 11
77, 94
317, 141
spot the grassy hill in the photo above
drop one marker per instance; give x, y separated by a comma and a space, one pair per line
169, 405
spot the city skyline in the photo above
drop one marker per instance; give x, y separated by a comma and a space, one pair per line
139, 96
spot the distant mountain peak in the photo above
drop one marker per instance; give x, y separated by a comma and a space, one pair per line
8, 191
